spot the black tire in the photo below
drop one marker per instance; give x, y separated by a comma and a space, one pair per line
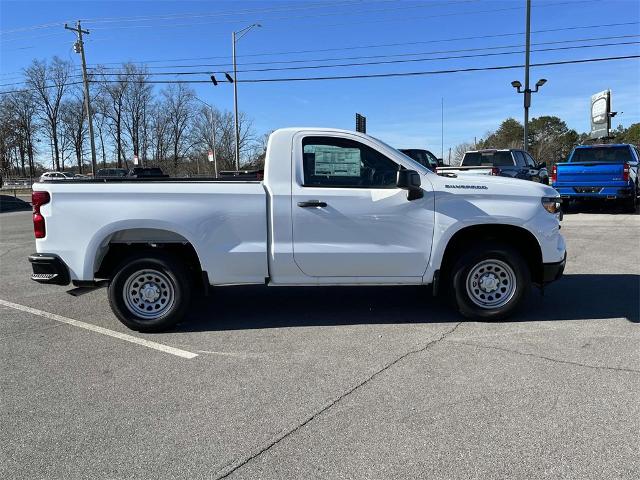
569, 206
507, 278
166, 296
631, 203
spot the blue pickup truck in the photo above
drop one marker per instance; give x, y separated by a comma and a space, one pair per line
608, 172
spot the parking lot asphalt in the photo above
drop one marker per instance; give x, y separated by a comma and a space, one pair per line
329, 382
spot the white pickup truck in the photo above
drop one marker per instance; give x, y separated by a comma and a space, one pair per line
335, 207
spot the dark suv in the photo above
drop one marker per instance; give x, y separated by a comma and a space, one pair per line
508, 163
423, 157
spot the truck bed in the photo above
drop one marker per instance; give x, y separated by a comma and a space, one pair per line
474, 170
225, 221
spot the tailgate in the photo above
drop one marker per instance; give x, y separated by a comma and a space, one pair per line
591, 173
464, 170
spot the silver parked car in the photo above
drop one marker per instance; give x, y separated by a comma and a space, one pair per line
56, 176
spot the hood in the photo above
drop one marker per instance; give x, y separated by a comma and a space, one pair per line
492, 185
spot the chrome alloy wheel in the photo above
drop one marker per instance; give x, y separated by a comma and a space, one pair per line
491, 284
149, 294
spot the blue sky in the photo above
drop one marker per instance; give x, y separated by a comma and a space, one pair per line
404, 111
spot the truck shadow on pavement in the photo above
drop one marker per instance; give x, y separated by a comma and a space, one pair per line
9, 203
594, 207
574, 297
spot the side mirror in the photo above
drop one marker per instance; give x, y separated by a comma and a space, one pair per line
542, 165
410, 180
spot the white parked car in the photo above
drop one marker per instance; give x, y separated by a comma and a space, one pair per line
335, 208
56, 176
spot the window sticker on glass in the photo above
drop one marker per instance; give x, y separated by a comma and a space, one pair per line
335, 161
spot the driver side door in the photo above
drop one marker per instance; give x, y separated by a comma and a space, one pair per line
350, 220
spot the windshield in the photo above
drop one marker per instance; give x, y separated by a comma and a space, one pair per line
602, 154
487, 159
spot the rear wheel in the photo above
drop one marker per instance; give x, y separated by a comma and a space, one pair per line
150, 293
490, 282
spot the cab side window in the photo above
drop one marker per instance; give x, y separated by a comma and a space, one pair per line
520, 162
529, 159
340, 162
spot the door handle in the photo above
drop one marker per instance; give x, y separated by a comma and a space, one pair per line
312, 203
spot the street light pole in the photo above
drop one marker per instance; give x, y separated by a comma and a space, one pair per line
235, 99
527, 90
235, 36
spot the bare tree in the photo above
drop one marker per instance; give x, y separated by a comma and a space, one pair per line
159, 131
21, 109
100, 123
74, 126
49, 81
112, 92
8, 137
459, 151
136, 102
179, 110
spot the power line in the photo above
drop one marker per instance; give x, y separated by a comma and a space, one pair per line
6, 92
497, 10
371, 75
401, 44
384, 62
413, 60
324, 25
294, 17
393, 74
145, 74
221, 14
439, 72
372, 56
184, 15
95, 71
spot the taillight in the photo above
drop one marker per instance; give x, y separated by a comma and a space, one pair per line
37, 200
495, 171
554, 174
625, 172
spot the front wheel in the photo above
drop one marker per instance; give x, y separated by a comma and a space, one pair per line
490, 282
150, 294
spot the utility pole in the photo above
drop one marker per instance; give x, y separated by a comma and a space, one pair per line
79, 48
527, 90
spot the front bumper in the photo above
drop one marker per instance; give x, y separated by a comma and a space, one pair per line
49, 268
553, 271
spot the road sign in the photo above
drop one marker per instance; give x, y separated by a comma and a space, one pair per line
600, 114
361, 123
135, 159
210, 156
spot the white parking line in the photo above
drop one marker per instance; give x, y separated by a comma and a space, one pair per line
104, 331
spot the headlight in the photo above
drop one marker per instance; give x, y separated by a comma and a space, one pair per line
551, 204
